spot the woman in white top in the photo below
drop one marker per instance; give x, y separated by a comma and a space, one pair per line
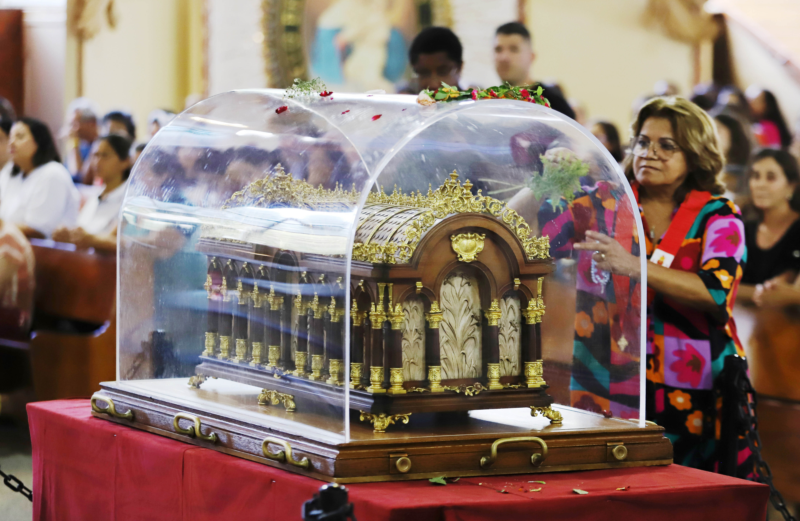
37, 193
97, 222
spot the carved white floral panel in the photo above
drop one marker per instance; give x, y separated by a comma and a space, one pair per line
414, 339
460, 330
510, 337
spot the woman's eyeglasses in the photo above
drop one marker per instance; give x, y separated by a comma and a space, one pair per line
664, 149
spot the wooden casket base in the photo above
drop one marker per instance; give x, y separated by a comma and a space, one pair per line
435, 444
306, 393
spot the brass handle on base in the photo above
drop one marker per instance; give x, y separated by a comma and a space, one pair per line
194, 430
283, 456
111, 410
620, 452
536, 458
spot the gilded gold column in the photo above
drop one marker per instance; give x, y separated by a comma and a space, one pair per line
395, 348
432, 349
301, 353
258, 327
316, 339
212, 315
492, 339
274, 349
225, 322
240, 322
356, 346
334, 345
377, 317
532, 353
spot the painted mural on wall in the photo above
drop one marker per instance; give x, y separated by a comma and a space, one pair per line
354, 53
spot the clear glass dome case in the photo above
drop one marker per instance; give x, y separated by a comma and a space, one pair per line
252, 221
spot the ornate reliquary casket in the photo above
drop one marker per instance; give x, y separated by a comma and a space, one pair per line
392, 308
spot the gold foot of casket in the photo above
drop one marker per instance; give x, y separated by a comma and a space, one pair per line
197, 380
268, 397
381, 421
548, 412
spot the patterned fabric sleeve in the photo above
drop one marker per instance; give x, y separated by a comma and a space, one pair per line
723, 252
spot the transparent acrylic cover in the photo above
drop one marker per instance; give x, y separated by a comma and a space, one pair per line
261, 236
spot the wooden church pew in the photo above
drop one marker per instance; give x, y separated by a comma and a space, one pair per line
772, 341
74, 332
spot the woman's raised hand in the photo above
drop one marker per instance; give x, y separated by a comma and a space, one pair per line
610, 255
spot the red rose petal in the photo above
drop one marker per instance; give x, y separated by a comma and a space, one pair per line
346, 111
376, 117
281, 109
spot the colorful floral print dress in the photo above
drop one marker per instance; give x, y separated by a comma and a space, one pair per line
685, 348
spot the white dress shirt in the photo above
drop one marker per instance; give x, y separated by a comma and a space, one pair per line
43, 200
99, 215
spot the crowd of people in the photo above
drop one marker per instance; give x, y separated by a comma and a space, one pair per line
715, 174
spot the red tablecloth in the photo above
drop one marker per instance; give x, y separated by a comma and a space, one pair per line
85, 468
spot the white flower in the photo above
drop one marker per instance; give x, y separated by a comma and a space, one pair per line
424, 100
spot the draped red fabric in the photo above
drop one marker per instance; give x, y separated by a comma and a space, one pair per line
89, 469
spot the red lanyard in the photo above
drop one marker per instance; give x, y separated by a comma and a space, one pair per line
680, 225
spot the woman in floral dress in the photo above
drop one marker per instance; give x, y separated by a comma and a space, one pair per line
695, 244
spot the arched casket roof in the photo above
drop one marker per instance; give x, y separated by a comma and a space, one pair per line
389, 226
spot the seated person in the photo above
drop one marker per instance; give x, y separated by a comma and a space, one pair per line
773, 240
436, 57
82, 129
36, 194
118, 122
97, 222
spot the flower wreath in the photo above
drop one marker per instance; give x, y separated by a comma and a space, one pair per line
504, 91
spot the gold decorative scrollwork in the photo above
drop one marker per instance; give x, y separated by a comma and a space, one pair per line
468, 390
548, 412
467, 245
449, 199
279, 189
283, 456
111, 408
381, 422
268, 397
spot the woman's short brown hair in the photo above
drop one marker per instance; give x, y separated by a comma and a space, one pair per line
696, 136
